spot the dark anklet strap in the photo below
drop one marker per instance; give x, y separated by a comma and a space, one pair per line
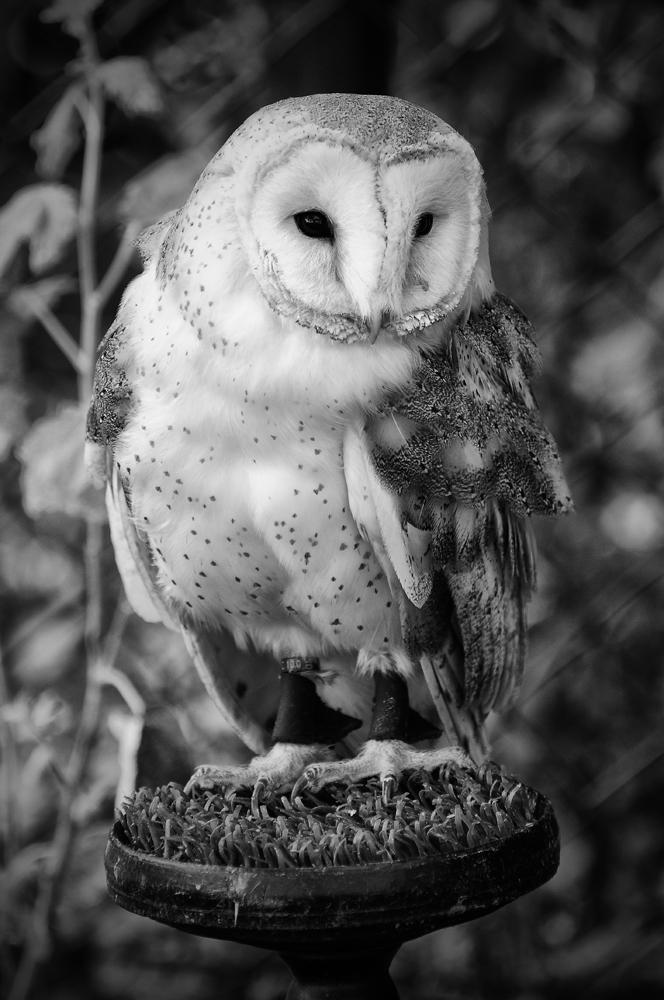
390, 714
302, 716
393, 718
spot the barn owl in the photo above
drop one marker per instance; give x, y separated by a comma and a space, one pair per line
315, 420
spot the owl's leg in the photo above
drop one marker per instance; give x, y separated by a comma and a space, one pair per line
387, 752
304, 733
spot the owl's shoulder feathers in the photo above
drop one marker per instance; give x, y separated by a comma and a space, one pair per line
469, 426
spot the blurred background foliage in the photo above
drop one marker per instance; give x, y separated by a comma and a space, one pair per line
564, 103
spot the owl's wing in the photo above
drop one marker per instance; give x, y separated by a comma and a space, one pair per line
441, 482
109, 409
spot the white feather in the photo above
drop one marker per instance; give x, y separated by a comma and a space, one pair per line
142, 594
406, 547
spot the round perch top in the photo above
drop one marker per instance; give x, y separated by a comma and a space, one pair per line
334, 869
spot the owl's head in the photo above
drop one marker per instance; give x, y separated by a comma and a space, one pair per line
356, 213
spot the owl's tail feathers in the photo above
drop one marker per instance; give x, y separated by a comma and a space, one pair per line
206, 661
463, 726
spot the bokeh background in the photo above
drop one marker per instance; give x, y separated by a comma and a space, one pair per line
564, 104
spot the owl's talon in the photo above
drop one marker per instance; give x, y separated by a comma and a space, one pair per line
303, 782
205, 778
260, 788
389, 787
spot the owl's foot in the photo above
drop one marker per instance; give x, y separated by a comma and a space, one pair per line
385, 758
277, 771
304, 733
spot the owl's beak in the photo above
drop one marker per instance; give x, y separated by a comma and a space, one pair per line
376, 326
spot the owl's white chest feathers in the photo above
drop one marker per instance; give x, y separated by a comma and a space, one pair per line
233, 459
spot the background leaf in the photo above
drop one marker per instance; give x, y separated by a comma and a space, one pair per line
54, 479
129, 81
60, 136
71, 13
42, 215
47, 654
13, 423
47, 292
467, 19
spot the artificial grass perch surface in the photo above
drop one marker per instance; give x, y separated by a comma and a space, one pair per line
444, 812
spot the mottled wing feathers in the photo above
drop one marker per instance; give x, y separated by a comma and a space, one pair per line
463, 456
490, 595
473, 429
111, 397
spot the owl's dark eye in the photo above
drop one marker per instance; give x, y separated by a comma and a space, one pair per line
423, 225
314, 224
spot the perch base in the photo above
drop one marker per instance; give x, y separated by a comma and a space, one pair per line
337, 928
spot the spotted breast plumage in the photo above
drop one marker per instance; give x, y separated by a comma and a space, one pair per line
315, 417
